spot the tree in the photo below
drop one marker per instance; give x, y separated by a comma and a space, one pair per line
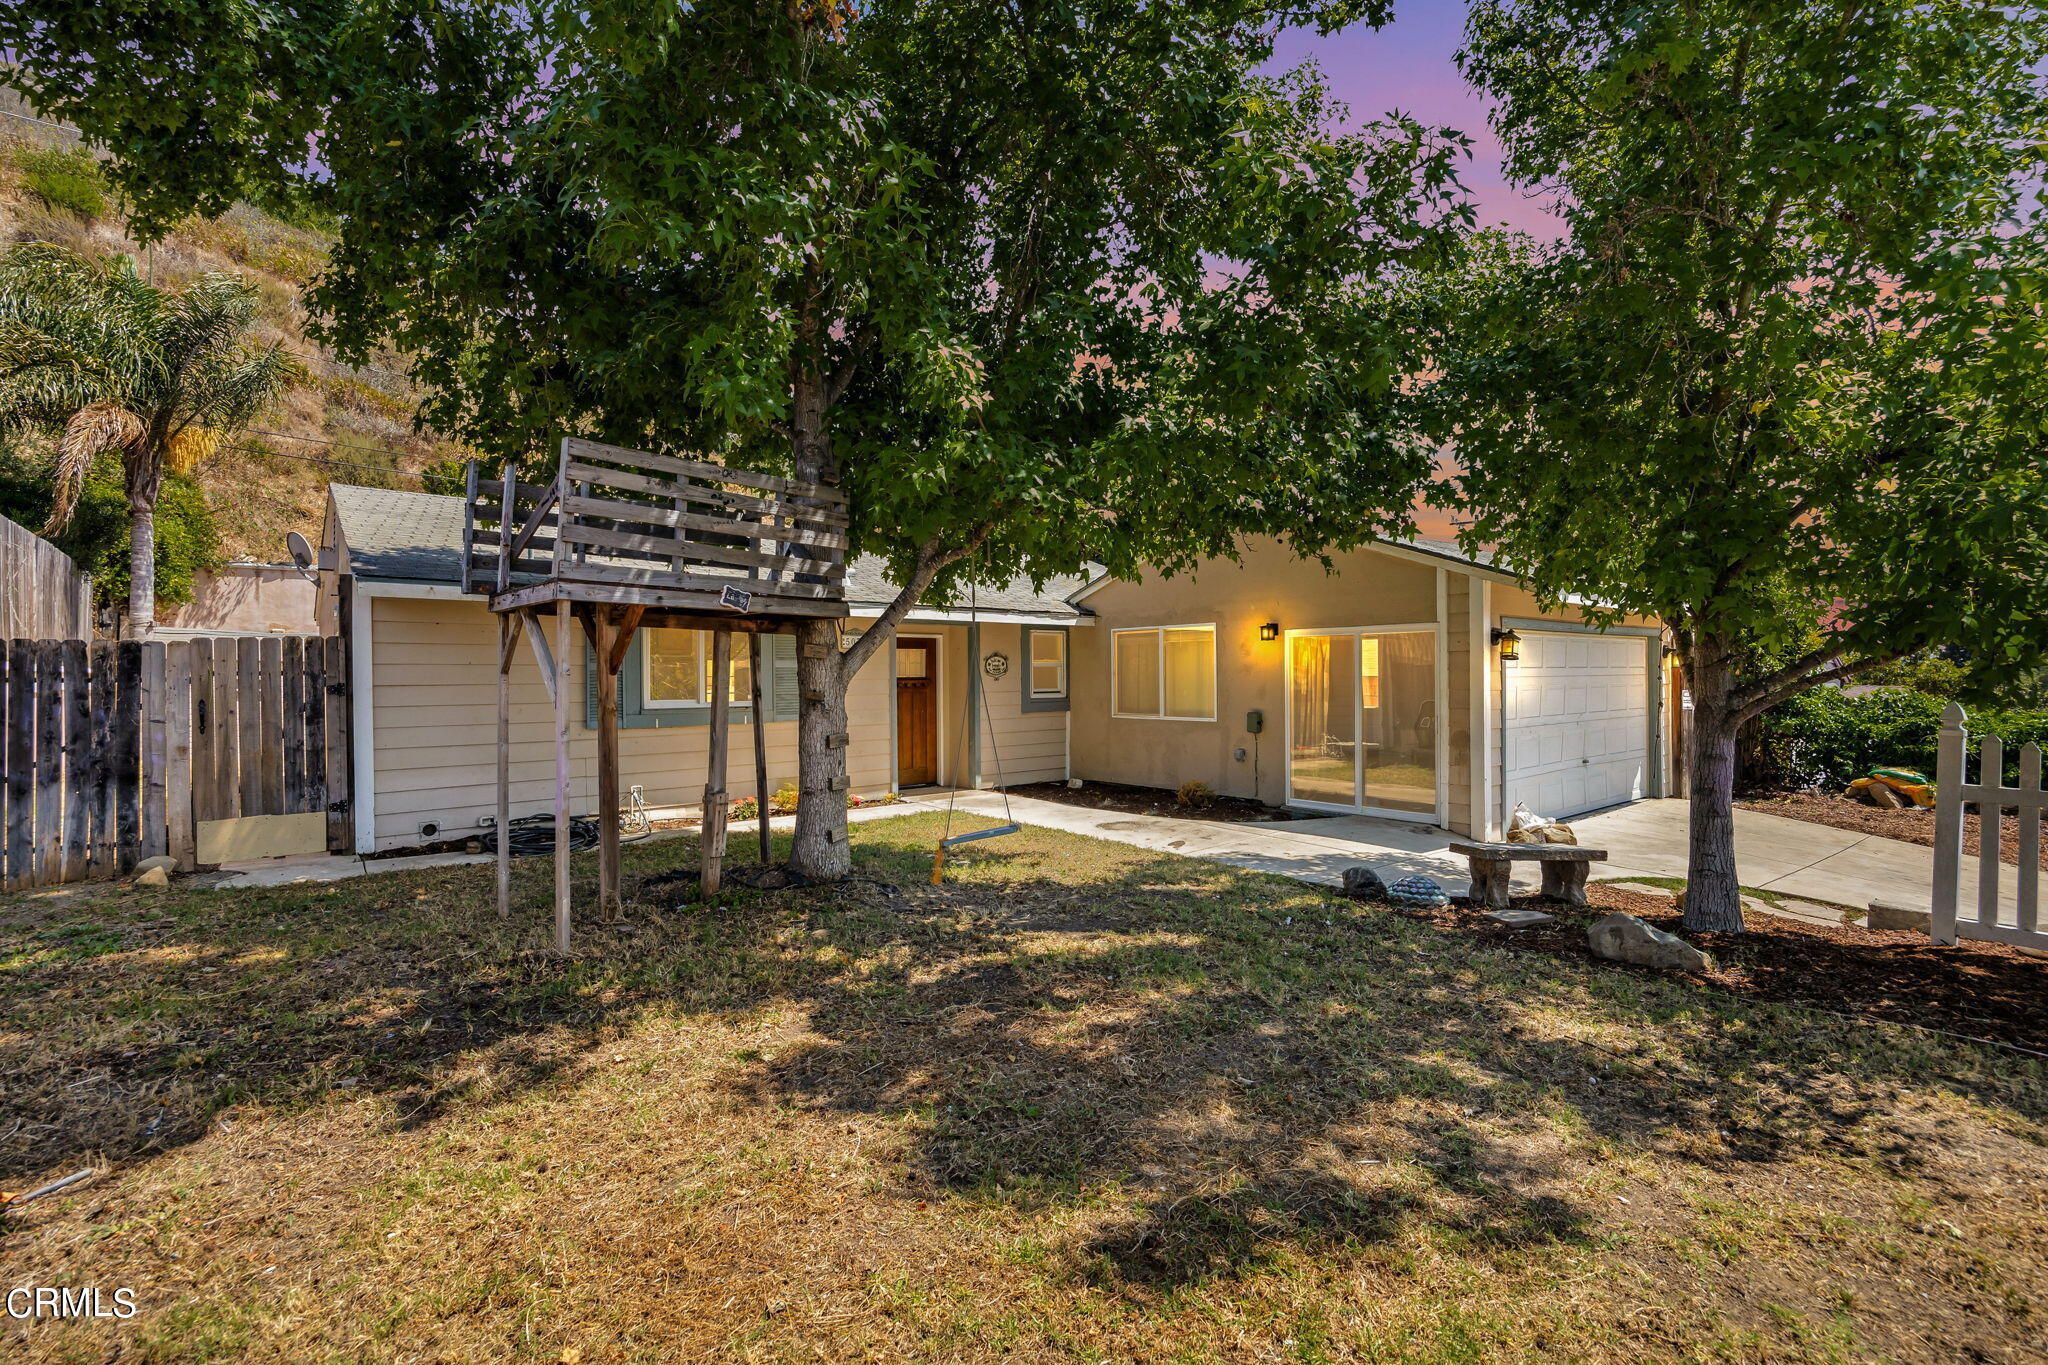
125, 367
1033, 283
1784, 365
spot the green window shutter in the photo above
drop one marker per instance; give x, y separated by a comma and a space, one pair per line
590, 685
778, 654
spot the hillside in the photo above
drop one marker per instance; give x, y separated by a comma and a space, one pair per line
344, 423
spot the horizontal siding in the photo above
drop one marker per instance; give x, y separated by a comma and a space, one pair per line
434, 708
1018, 747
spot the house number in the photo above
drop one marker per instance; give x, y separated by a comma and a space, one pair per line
995, 665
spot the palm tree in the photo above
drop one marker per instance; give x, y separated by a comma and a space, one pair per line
121, 365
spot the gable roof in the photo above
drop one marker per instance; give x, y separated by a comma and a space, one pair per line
396, 535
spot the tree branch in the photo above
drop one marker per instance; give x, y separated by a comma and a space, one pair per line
930, 560
1792, 687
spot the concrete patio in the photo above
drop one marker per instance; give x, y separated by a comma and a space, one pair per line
1647, 839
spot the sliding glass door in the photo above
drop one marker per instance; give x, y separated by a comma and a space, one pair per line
1362, 720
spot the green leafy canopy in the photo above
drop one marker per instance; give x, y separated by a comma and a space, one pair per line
1789, 348
1039, 281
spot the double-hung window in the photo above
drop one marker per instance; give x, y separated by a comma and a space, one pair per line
1164, 673
677, 666
1048, 664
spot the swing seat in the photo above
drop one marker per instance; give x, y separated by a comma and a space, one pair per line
995, 832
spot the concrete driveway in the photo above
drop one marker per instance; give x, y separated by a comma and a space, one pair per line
1645, 839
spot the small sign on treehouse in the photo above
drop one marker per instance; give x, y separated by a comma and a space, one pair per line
739, 599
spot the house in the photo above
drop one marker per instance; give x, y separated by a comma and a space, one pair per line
1377, 689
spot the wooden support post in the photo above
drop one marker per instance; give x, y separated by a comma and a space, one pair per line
605, 628
508, 639
712, 844
563, 613
760, 698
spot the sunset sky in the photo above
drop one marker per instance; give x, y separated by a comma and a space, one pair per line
1410, 65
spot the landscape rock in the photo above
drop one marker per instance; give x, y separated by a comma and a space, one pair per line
1364, 884
155, 876
168, 864
1624, 938
1520, 919
1892, 915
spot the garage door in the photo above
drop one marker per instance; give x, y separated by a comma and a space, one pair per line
1577, 717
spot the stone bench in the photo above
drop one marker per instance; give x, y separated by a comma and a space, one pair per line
1564, 870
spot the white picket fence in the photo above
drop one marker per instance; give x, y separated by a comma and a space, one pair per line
1959, 911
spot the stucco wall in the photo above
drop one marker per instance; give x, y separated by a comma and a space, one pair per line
1367, 588
249, 597
434, 689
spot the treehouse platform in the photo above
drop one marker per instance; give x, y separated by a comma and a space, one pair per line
624, 540
619, 527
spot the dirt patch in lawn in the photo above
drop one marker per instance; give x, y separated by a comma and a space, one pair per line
1911, 824
1082, 1102
1983, 990
1158, 801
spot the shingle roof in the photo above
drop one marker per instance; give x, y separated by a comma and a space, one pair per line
394, 534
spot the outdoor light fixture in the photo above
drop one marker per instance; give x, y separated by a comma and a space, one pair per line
1510, 644
1270, 631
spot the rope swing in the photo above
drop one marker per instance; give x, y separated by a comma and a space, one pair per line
948, 839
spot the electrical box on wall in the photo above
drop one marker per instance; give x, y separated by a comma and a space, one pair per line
1255, 722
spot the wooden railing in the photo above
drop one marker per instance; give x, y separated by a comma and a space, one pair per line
625, 525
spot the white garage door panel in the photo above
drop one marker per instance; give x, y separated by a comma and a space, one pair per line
1577, 716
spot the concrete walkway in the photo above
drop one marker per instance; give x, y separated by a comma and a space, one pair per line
1647, 839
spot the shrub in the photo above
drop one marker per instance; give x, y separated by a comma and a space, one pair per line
187, 539
1194, 793
746, 808
66, 178
783, 802
1825, 738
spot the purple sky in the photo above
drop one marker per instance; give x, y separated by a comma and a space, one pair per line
1409, 66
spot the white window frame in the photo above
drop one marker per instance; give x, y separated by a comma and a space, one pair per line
648, 701
1215, 682
1031, 665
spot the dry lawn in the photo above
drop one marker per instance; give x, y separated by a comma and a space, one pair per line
1083, 1104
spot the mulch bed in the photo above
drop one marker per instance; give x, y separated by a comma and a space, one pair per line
1910, 824
1158, 801
1988, 991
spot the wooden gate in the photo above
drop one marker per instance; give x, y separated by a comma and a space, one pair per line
118, 751
1978, 912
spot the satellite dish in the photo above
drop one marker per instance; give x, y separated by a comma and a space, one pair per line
301, 551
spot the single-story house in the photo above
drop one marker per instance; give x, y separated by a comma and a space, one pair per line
1378, 688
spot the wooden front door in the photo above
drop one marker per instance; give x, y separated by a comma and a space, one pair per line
917, 712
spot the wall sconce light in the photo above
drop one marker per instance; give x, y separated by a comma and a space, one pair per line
1671, 651
1510, 644
1270, 631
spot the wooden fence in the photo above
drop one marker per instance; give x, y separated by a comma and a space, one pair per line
1977, 912
42, 593
114, 752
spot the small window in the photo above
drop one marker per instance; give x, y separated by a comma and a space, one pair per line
1168, 673
679, 670
911, 661
1048, 664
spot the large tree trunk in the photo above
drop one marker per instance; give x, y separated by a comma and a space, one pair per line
820, 850
1713, 896
141, 570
